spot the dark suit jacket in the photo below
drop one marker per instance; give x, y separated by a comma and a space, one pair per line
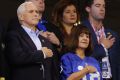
113, 52
13, 23
25, 60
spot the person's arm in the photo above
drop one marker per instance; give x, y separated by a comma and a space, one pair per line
78, 75
55, 29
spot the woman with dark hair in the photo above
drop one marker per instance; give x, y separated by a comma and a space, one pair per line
65, 15
77, 64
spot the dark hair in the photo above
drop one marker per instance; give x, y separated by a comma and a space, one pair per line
74, 39
58, 10
88, 3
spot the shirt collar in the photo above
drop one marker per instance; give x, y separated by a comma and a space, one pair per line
101, 29
28, 30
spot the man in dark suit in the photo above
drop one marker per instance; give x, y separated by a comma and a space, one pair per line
48, 30
106, 42
30, 55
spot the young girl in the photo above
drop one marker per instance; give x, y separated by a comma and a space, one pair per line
77, 64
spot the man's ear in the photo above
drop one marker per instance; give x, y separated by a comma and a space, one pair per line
87, 9
20, 16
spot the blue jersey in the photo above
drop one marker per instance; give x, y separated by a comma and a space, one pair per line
71, 63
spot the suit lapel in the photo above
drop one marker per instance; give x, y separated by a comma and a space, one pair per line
94, 37
45, 42
26, 37
42, 41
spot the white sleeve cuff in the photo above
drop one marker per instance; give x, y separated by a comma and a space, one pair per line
44, 54
106, 51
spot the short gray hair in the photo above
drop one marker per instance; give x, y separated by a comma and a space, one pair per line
22, 7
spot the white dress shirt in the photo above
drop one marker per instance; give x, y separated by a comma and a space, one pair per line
34, 36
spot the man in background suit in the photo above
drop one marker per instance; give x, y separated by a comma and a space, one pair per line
106, 42
30, 55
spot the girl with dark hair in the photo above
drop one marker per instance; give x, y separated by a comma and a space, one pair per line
77, 64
